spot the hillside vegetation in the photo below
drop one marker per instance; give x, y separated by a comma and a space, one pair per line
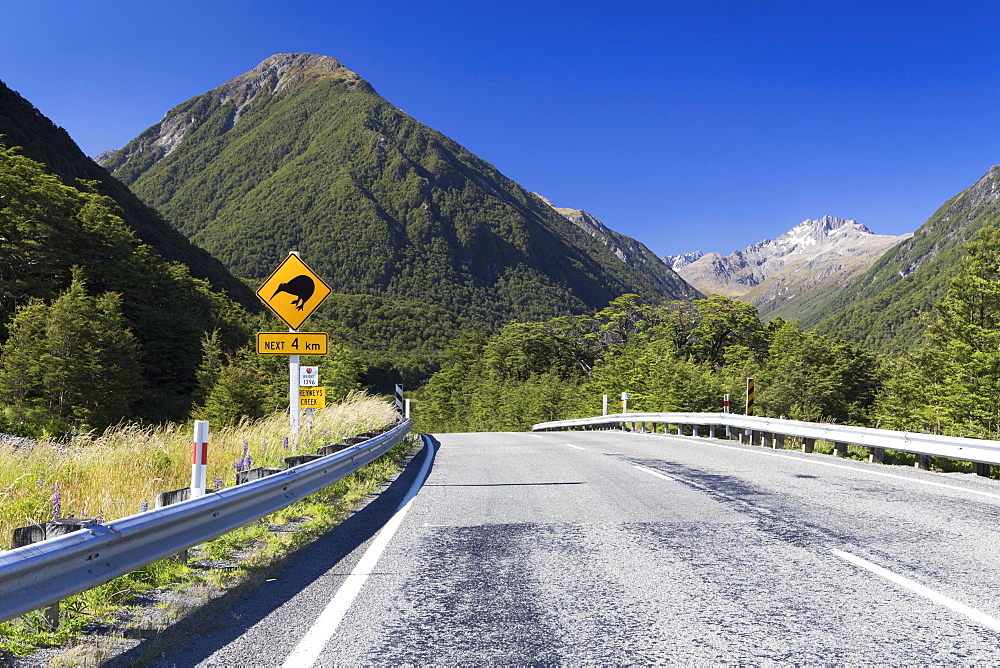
41, 140
889, 307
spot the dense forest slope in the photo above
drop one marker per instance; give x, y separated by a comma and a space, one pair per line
72, 259
886, 308
41, 140
302, 153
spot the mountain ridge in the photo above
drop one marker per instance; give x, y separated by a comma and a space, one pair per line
794, 273
630, 251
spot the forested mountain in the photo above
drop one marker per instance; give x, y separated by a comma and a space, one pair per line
887, 307
41, 140
95, 325
793, 275
302, 153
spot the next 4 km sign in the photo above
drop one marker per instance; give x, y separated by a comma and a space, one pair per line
292, 343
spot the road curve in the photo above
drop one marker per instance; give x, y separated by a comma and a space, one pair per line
610, 547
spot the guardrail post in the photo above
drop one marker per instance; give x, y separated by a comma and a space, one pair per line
754, 437
779, 441
981, 469
923, 462
839, 449
36, 533
694, 430
711, 431
170, 498
767, 439
808, 444
877, 456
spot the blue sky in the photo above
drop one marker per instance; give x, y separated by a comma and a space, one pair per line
688, 125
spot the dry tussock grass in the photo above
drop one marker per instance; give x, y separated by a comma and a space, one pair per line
113, 474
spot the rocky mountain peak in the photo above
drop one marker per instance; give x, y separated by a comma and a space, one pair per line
282, 72
810, 233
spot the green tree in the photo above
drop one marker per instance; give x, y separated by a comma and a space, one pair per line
956, 377
808, 376
724, 324
73, 362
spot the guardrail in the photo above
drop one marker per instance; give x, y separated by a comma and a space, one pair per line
42, 573
771, 431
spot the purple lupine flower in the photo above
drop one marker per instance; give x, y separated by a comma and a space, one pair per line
144, 507
285, 446
56, 503
243, 463
217, 483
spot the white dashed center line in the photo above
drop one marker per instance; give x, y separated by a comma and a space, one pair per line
656, 473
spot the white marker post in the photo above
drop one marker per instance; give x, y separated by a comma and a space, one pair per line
199, 459
725, 409
604, 405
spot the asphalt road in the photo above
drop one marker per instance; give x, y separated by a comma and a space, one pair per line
612, 548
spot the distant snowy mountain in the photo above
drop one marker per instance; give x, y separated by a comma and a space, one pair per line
790, 275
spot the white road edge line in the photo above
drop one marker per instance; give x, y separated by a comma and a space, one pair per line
570, 445
656, 473
773, 453
312, 643
917, 588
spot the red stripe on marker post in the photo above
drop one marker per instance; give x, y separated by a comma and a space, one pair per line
199, 459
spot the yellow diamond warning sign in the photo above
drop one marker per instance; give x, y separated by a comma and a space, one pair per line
293, 291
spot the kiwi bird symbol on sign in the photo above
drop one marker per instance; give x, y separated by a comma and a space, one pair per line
301, 286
